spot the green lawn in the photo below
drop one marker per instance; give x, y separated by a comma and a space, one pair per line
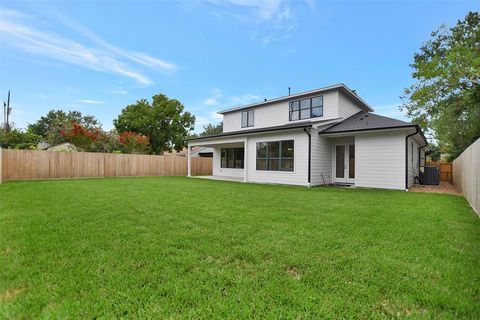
172, 247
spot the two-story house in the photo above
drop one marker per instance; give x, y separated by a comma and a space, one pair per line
323, 136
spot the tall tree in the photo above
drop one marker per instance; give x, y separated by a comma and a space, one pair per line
55, 121
210, 129
163, 121
446, 97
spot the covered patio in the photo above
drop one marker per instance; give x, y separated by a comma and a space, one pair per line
229, 158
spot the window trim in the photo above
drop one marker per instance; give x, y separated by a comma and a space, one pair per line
234, 158
290, 111
280, 158
247, 112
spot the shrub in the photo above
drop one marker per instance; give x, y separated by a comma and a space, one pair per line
18, 139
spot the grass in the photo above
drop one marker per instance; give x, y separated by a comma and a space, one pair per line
171, 247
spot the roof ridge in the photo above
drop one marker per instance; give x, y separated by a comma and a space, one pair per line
337, 123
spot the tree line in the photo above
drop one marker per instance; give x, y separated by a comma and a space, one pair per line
153, 127
445, 101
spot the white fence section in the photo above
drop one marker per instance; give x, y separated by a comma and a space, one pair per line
466, 174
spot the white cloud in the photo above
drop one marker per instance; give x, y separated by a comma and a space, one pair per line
138, 57
216, 117
268, 16
210, 102
26, 36
206, 111
89, 101
241, 100
119, 91
221, 100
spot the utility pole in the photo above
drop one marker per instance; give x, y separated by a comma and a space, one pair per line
4, 117
9, 110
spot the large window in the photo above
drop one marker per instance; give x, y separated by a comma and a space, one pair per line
275, 155
306, 108
247, 118
232, 158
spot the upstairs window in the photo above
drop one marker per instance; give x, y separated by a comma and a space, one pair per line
247, 118
306, 108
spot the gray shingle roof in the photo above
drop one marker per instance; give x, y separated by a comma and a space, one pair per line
366, 121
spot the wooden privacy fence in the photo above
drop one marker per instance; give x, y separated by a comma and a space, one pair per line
466, 174
445, 169
34, 165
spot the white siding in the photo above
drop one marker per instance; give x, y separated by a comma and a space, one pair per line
346, 107
300, 174
276, 114
380, 160
321, 160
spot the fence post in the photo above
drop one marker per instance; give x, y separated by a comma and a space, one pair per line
189, 159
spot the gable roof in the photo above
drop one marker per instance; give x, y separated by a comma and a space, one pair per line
342, 87
366, 121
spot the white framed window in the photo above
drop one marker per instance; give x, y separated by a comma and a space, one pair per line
275, 155
306, 108
247, 118
232, 158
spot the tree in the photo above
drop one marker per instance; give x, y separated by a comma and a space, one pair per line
50, 125
163, 121
210, 129
107, 142
133, 142
446, 97
18, 139
81, 137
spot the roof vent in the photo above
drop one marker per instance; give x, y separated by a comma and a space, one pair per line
289, 91
265, 99
355, 92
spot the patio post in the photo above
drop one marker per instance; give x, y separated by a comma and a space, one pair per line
189, 159
245, 159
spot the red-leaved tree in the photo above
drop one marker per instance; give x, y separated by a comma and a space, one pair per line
133, 142
81, 137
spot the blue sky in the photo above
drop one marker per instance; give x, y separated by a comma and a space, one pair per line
98, 57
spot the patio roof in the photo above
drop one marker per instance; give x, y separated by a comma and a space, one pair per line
366, 121
297, 125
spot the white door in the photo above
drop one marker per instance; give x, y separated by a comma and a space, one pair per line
344, 163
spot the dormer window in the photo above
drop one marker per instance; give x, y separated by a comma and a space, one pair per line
247, 118
306, 108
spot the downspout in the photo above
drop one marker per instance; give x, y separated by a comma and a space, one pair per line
309, 154
406, 156
420, 154
419, 159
